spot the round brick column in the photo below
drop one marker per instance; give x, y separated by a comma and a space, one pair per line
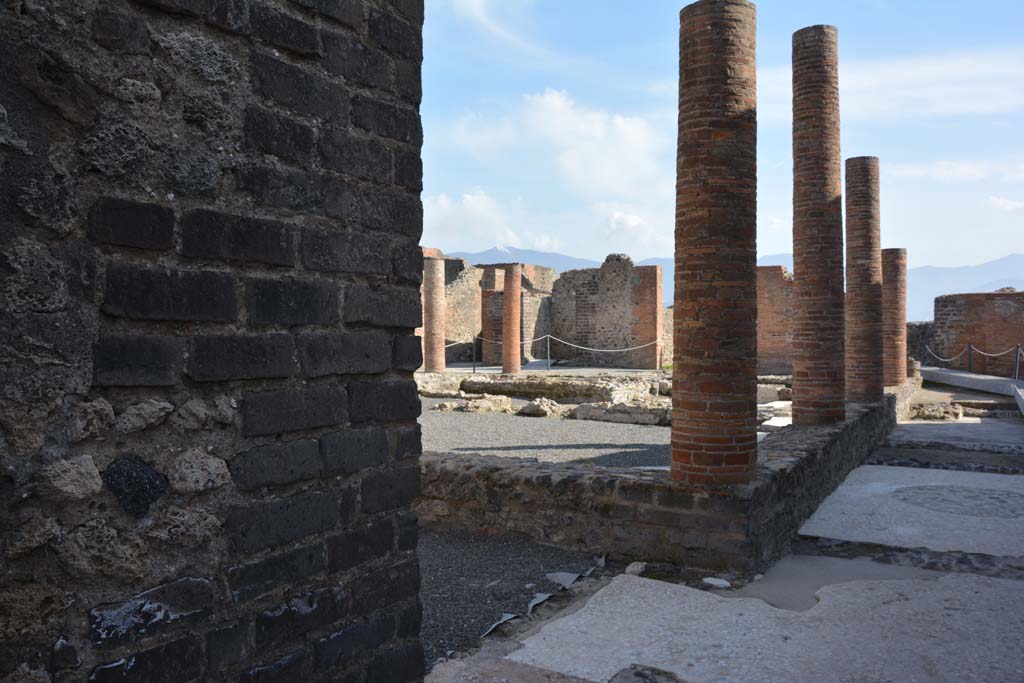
819, 370
714, 371
511, 321
435, 315
894, 316
864, 376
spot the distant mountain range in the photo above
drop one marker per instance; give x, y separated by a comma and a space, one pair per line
923, 283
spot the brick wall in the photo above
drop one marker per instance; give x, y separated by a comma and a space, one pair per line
611, 307
209, 216
774, 320
462, 291
992, 322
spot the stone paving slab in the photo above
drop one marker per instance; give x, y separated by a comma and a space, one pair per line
961, 627
940, 510
998, 435
969, 380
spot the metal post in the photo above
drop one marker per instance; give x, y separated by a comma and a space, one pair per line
1016, 364
548, 340
970, 357
474, 355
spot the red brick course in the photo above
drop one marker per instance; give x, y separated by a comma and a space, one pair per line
818, 327
894, 316
647, 315
864, 373
774, 321
434, 315
714, 380
511, 336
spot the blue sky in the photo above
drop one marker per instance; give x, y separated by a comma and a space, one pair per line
551, 124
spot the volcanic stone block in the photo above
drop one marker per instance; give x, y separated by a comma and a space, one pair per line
389, 490
134, 483
333, 353
137, 361
217, 235
384, 306
819, 369
360, 157
387, 120
251, 580
299, 90
281, 136
352, 451
132, 224
284, 670
185, 601
864, 374
300, 615
286, 31
347, 56
402, 663
294, 409
351, 641
714, 381
349, 251
149, 294
277, 464
217, 358
291, 302
267, 525
383, 401
179, 660
348, 12
363, 544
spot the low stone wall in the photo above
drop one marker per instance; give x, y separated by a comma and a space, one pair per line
560, 388
637, 514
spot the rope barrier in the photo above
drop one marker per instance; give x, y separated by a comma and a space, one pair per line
995, 355
945, 360
575, 346
587, 348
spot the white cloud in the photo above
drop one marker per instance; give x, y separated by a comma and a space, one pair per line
1006, 204
482, 13
482, 138
982, 82
634, 233
476, 221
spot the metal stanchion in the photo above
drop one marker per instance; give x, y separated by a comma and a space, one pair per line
1016, 364
548, 340
970, 357
474, 355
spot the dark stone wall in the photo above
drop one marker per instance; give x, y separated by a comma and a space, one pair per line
209, 273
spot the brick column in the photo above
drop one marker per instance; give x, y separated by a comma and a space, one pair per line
818, 368
511, 324
894, 316
434, 315
714, 380
864, 376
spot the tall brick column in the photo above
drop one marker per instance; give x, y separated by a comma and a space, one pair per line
864, 375
434, 315
714, 380
511, 324
894, 316
818, 367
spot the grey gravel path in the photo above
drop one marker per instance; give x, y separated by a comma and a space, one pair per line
546, 439
469, 581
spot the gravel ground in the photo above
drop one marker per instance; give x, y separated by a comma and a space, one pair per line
546, 439
469, 581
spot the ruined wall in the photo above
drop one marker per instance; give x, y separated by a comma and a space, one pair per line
611, 307
992, 321
535, 309
774, 320
462, 289
209, 216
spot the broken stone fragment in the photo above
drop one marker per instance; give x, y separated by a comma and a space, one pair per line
716, 583
93, 418
196, 471
543, 407
34, 530
94, 548
636, 568
142, 415
185, 526
69, 480
484, 404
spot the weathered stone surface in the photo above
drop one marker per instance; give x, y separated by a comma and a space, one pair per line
543, 407
70, 480
484, 404
194, 471
438, 385
96, 548
33, 530
142, 415
91, 418
947, 412
185, 527
651, 413
185, 601
562, 389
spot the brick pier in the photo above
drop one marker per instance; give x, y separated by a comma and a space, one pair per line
864, 375
434, 315
818, 326
714, 427
511, 324
894, 315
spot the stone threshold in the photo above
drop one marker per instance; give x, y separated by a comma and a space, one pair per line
635, 514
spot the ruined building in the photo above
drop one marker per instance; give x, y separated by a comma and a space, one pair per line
209, 275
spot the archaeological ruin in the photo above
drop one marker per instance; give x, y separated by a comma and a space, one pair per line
209, 268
